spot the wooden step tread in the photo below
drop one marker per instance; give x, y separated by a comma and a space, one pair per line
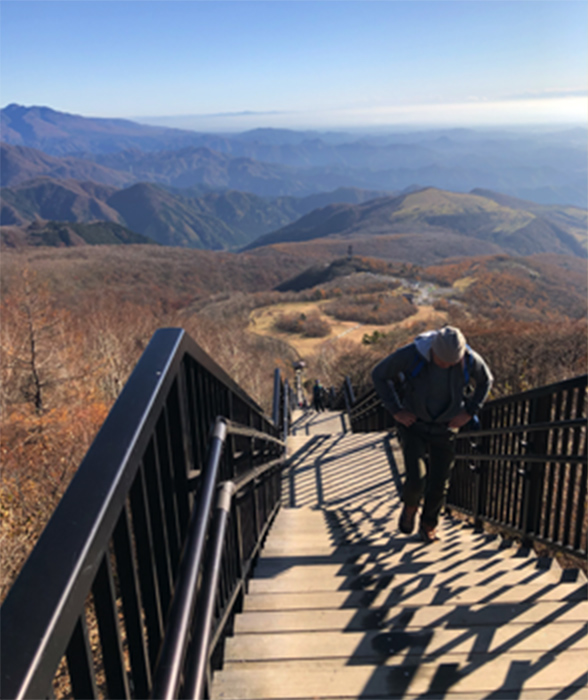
447, 616
414, 595
298, 581
387, 646
349, 558
325, 678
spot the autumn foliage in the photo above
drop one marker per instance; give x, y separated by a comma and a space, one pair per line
74, 324
51, 408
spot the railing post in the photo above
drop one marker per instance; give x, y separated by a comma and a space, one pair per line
276, 402
286, 425
535, 473
349, 390
349, 397
482, 446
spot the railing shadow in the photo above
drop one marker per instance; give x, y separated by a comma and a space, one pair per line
419, 617
309, 422
331, 470
433, 621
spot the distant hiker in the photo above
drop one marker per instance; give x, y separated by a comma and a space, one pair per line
318, 396
432, 387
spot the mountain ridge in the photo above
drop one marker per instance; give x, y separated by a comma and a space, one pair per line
214, 220
438, 214
549, 168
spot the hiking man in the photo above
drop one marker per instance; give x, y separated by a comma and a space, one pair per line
432, 387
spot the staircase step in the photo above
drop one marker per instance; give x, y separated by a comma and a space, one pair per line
408, 596
471, 676
383, 646
406, 617
328, 579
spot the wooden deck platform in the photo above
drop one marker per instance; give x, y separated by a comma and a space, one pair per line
344, 606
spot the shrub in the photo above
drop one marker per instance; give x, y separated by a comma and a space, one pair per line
379, 309
289, 323
314, 326
311, 326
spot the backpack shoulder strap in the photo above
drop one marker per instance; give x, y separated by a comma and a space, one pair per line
419, 363
467, 365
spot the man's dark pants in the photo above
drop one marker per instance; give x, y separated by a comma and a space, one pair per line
429, 456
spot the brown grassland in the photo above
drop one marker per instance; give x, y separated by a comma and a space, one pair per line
75, 321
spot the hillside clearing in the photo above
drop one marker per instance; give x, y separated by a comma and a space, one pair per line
262, 320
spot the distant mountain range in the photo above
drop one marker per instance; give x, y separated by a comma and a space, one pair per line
548, 167
441, 224
59, 133
20, 164
188, 218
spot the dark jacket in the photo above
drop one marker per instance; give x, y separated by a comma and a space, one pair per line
399, 390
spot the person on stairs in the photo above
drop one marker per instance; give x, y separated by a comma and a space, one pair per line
432, 387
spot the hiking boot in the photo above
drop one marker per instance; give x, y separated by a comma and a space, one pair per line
407, 517
427, 533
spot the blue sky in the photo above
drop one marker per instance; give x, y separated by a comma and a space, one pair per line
227, 65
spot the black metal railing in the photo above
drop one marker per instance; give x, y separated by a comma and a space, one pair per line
525, 470
366, 414
87, 615
210, 587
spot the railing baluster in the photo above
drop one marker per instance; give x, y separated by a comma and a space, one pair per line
108, 623
166, 473
181, 426
80, 662
193, 414
147, 573
132, 606
158, 527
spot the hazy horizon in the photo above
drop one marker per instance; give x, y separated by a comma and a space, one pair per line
231, 66
236, 123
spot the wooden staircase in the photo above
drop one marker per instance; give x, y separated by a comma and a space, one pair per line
344, 606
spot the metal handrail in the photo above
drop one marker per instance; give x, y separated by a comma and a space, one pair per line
170, 666
118, 532
203, 639
170, 669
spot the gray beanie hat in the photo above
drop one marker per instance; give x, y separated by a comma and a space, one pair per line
449, 345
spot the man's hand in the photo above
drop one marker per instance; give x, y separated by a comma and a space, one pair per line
460, 420
405, 418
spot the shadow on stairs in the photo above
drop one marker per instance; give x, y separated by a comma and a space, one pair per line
343, 606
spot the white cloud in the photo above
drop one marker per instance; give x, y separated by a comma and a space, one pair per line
536, 110
540, 110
